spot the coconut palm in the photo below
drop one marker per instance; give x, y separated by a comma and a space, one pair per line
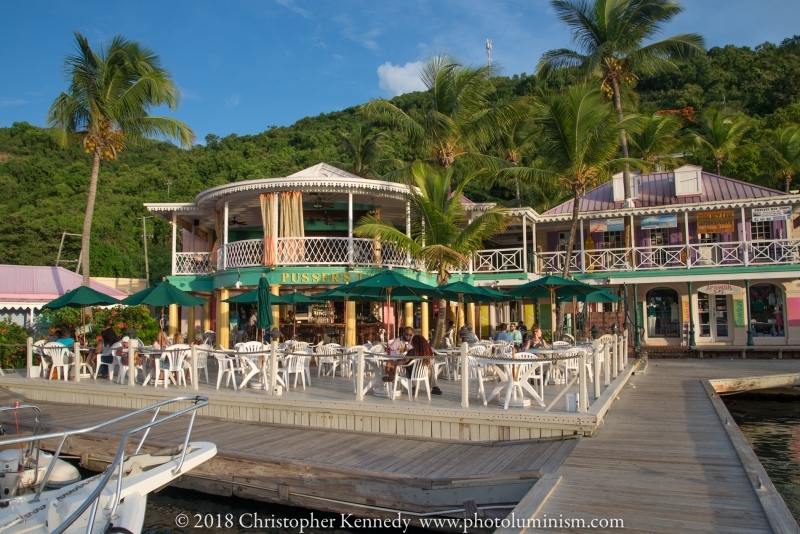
614, 40
720, 136
461, 120
518, 142
111, 94
444, 239
783, 149
655, 139
364, 146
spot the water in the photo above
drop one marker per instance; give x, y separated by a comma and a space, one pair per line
772, 427
210, 513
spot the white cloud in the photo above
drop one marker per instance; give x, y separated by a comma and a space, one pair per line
299, 10
4, 102
398, 80
233, 100
365, 38
338, 56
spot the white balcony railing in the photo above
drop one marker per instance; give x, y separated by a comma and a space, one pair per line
191, 263
553, 262
661, 257
775, 251
501, 260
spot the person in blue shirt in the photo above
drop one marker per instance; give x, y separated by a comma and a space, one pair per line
64, 338
502, 334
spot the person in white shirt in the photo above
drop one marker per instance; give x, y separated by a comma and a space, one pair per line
399, 345
471, 337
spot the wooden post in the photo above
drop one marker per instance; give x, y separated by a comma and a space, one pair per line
615, 367
360, 375
408, 314
273, 365
132, 346
583, 391
275, 289
624, 349
423, 322
76, 352
596, 348
207, 316
606, 363
191, 319
350, 324
464, 375
174, 321
195, 381
29, 357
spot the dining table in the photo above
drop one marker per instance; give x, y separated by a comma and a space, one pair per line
514, 374
376, 384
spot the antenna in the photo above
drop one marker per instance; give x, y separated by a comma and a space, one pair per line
489, 51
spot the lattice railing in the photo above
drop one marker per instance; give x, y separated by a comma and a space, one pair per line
312, 251
661, 257
248, 253
716, 254
553, 262
191, 263
501, 260
612, 259
774, 251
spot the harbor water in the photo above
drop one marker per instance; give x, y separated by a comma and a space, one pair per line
771, 425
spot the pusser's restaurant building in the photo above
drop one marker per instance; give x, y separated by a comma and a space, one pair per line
713, 261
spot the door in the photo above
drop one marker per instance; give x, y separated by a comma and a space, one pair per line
713, 314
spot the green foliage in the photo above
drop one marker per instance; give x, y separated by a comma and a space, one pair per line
120, 318
12, 334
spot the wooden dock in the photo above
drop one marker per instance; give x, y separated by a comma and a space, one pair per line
664, 462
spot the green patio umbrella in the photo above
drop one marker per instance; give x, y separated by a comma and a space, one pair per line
552, 287
81, 297
387, 283
602, 295
162, 294
264, 303
463, 292
251, 297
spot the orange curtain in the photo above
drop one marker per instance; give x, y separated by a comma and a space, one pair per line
291, 225
212, 258
268, 206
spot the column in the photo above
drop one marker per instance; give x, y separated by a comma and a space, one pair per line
223, 319
190, 331
173, 320
750, 341
533, 246
408, 314
583, 256
637, 344
350, 229
688, 249
408, 230
275, 289
691, 313
350, 324
470, 315
524, 245
225, 237
746, 256
207, 315
174, 240
461, 317
423, 323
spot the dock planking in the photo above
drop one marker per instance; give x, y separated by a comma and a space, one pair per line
663, 461
274, 462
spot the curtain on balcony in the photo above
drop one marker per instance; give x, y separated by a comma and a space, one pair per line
268, 207
291, 225
212, 258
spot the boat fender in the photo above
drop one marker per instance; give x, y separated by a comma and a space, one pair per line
116, 530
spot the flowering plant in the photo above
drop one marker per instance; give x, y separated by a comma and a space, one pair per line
11, 333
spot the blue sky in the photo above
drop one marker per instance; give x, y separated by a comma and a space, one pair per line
245, 65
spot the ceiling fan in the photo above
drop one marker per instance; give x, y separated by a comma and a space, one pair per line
235, 222
319, 204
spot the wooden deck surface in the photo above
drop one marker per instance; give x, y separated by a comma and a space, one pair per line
663, 461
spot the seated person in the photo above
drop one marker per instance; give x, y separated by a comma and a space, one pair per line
63, 337
538, 341
522, 328
108, 338
421, 347
516, 335
162, 341
471, 337
124, 351
502, 334
399, 345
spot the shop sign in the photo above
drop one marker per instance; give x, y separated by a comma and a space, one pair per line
715, 222
607, 225
320, 278
659, 221
738, 313
719, 289
773, 213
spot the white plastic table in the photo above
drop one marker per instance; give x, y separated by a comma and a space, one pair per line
513, 381
384, 390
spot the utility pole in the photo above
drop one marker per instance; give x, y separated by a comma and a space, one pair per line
168, 181
144, 245
489, 51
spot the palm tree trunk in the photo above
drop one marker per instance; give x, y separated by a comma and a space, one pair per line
623, 141
519, 200
86, 234
788, 178
572, 232
438, 335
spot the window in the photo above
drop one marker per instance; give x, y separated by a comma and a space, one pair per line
708, 239
612, 239
761, 230
659, 237
766, 310
563, 241
663, 313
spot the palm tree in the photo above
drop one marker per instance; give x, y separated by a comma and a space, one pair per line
364, 146
783, 149
613, 39
443, 240
655, 139
578, 144
721, 136
108, 104
517, 142
461, 120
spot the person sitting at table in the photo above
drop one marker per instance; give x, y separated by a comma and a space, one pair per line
198, 339
471, 337
538, 341
522, 328
106, 340
177, 339
162, 341
527, 342
502, 333
421, 347
63, 337
516, 335
289, 317
125, 350
399, 345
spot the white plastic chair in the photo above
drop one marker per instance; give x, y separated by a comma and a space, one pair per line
537, 375
294, 364
202, 362
38, 347
134, 344
561, 344
109, 365
59, 355
226, 368
407, 375
175, 357
478, 375
328, 356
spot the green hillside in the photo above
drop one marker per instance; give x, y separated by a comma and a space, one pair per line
45, 186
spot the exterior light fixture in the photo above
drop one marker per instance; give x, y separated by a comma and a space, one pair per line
328, 220
373, 211
317, 203
238, 283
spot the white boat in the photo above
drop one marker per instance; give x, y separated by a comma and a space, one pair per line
115, 500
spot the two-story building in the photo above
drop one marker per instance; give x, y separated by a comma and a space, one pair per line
712, 260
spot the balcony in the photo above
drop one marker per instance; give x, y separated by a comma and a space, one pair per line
670, 257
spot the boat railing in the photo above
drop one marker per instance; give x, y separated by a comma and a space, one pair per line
32, 452
117, 464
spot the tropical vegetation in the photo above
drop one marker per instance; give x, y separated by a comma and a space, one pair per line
120, 318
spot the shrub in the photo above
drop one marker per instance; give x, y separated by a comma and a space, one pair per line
120, 318
12, 333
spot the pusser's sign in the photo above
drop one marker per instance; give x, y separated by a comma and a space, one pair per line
320, 278
715, 222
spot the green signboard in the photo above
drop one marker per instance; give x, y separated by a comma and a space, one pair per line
738, 313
